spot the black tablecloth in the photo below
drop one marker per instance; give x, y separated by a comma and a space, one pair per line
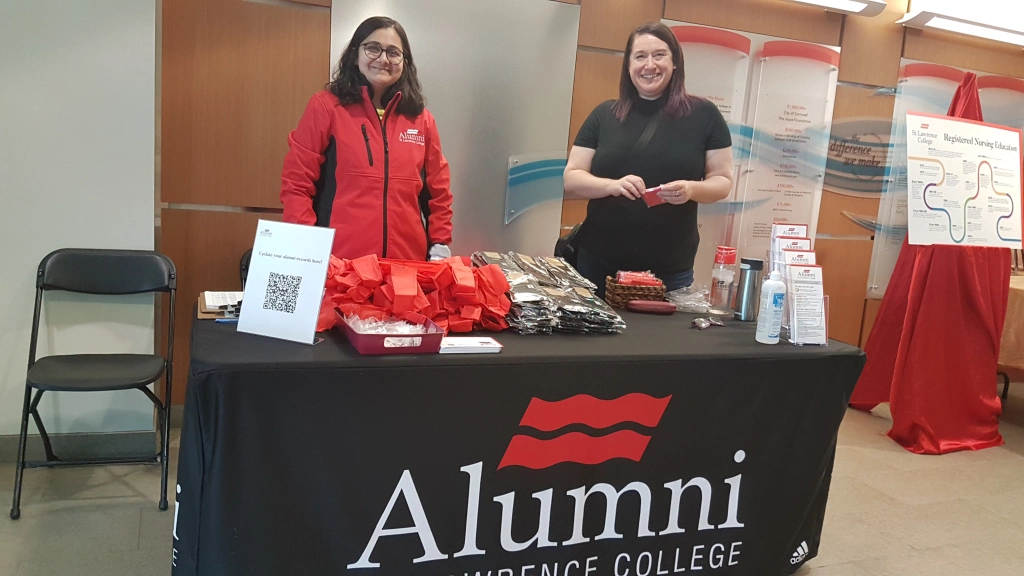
673, 449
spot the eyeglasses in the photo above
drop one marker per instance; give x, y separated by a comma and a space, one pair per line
373, 50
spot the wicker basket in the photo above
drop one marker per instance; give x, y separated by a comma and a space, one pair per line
617, 295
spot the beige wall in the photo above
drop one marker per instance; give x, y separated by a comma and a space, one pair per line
76, 170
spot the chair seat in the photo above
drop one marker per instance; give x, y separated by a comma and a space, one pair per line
95, 372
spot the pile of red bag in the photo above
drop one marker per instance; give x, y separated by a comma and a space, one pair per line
451, 292
637, 279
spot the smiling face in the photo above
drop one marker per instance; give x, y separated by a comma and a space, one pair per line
381, 72
650, 66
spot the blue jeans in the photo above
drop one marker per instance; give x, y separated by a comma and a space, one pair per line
595, 269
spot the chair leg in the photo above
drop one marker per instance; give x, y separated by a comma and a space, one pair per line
20, 466
164, 423
1006, 386
34, 410
164, 450
165, 444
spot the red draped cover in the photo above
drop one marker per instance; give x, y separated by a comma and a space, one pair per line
933, 349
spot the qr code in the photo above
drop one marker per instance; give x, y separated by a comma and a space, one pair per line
282, 292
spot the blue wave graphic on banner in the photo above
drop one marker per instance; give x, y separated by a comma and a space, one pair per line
532, 184
855, 164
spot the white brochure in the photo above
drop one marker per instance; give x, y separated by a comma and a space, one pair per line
792, 256
807, 295
784, 230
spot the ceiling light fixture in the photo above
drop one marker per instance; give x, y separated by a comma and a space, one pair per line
997, 20
926, 20
853, 7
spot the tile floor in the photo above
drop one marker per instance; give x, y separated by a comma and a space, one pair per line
891, 513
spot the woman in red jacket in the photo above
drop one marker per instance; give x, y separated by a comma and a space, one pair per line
366, 158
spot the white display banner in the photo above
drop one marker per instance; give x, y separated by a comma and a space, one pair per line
922, 87
791, 117
777, 96
964, 182
718, 66
286, 279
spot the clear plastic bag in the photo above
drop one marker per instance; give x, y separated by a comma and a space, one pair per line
693, 299
389, 326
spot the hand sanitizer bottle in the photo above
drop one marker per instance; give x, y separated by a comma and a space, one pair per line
769, 317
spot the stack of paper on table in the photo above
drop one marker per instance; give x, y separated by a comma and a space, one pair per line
469, 345
218, 305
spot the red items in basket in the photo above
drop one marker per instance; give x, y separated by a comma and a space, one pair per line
450, 292
637, 279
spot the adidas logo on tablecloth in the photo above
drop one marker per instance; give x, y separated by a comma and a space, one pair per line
800, 554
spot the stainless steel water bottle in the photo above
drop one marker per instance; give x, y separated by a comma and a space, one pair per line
748, 289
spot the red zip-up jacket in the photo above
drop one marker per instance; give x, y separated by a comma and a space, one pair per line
382, 185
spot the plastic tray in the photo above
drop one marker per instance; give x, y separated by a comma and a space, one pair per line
370, 344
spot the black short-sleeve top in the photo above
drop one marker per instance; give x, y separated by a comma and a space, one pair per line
627, 232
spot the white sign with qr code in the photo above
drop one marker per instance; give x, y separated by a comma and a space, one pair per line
285, 285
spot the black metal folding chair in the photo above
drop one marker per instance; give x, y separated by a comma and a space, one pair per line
1006, 385
107, 272
243, 266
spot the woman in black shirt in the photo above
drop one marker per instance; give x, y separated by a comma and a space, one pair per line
654, 135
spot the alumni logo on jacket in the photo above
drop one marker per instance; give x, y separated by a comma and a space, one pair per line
412, 136
647, 527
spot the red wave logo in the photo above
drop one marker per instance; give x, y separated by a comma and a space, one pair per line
578, 447
589, 411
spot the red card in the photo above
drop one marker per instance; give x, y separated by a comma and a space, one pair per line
651, 197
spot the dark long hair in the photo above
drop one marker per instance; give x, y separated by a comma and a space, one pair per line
348, 81
679, 103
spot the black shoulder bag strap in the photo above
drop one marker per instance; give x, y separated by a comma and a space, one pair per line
648, 133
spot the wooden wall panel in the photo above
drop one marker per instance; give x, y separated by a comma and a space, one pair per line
206, 247
608, 23
596, 80
761, 16
235, 78
854, 102
324, 3
573, 212
870, 313
964, 52
831, 218
846, 264
871, 47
